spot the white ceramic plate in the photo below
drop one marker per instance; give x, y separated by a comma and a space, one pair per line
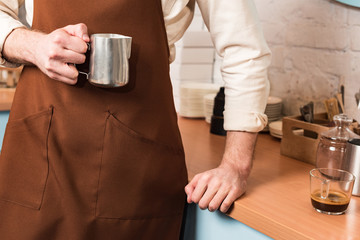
276, 128
274, 100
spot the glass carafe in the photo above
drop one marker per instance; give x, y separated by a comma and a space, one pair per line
332, 145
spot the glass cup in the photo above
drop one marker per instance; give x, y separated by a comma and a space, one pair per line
331, 190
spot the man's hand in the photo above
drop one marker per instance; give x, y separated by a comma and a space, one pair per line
54, 53
220, 187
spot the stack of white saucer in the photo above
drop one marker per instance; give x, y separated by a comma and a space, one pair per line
273, 110
209, 106
275, 129
192, 98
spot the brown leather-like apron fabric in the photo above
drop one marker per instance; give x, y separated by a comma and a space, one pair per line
82, 162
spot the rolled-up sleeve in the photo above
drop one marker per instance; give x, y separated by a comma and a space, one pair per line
8, 22
238, 38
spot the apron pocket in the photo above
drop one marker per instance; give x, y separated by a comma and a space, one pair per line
23, 160
139, 178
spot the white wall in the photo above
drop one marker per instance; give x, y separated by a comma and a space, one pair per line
316, 48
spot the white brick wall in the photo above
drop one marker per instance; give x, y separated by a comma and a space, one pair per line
316, 48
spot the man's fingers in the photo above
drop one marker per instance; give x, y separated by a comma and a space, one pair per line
75, 44
78, 30
199, 190
78, 36
189, 188
68, 56
60, 47
218, 199
207, 197
228, 201
215, 189
61, 39
63, 72
73, 57
63, 79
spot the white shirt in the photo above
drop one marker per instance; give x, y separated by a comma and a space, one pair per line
237, 36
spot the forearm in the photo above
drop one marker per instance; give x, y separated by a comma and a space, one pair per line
9, 21
20, 46
239, 151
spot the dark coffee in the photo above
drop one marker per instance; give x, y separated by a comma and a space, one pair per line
336, 202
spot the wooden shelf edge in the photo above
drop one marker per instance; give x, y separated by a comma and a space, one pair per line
263, 224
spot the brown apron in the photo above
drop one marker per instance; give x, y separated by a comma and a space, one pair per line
82, 162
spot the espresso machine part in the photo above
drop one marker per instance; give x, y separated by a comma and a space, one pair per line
352, 162
217, 119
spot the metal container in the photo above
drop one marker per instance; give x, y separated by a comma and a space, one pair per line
109, 64
352, 162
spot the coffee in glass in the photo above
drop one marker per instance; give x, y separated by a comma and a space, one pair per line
330, 190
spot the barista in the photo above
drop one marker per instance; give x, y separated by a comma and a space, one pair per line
96, 163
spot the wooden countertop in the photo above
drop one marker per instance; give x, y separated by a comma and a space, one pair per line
277, 201
6, 97
7, 94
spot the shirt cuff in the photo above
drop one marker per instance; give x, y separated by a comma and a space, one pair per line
244, 121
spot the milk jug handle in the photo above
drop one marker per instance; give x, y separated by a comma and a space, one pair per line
81, 72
